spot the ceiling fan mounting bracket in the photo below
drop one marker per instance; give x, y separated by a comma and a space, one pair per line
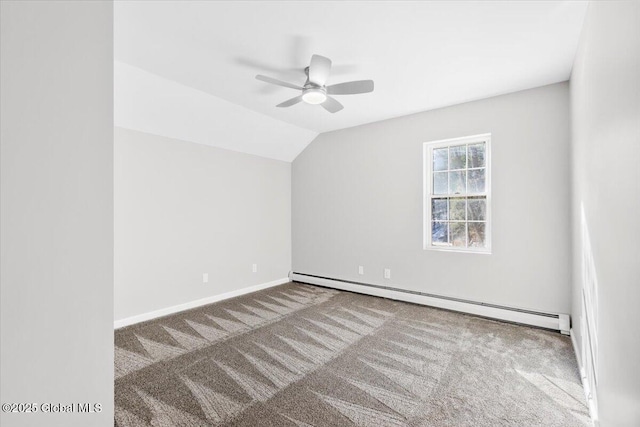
308, 84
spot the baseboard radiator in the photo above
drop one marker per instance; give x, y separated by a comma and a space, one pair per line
554, 321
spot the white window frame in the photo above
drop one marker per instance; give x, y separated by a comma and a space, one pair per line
427, 162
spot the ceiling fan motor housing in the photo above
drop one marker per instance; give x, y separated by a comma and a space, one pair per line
313, 93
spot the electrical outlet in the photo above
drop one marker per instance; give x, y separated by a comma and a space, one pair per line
360, 270
387, 273
254, 268
205, 277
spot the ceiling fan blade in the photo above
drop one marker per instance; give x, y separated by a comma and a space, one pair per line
332, 105
351, 88
319, 70
290, 102
277, 82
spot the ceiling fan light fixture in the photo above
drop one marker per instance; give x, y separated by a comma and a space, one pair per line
314, 96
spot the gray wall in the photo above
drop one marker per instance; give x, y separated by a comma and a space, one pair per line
605, 101
357, 200
184, 209
56, 113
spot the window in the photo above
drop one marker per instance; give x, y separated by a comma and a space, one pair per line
457, 189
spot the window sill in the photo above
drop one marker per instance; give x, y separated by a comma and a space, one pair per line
485, 251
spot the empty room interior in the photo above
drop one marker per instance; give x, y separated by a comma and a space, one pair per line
318, 213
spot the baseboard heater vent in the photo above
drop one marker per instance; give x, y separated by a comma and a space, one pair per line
558, 322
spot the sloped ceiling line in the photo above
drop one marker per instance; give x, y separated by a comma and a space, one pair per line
149, 103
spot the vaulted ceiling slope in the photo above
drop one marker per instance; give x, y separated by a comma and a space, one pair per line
186, 69
149, 103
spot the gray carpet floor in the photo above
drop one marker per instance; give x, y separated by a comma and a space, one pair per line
297, 355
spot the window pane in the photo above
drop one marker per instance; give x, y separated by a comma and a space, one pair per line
477, 209
458, 233
457, 209
458, 157
440, 232
458, 197
476, 234
440, 159
476, 181
439, 211
476, 155
457, 182
440, 183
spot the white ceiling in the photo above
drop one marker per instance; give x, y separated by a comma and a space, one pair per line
421, 55
149, 103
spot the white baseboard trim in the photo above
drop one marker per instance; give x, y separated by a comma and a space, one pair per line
543, 320
583, 380
193, 304
574, 344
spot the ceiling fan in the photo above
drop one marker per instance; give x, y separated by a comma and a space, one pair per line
315, 91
